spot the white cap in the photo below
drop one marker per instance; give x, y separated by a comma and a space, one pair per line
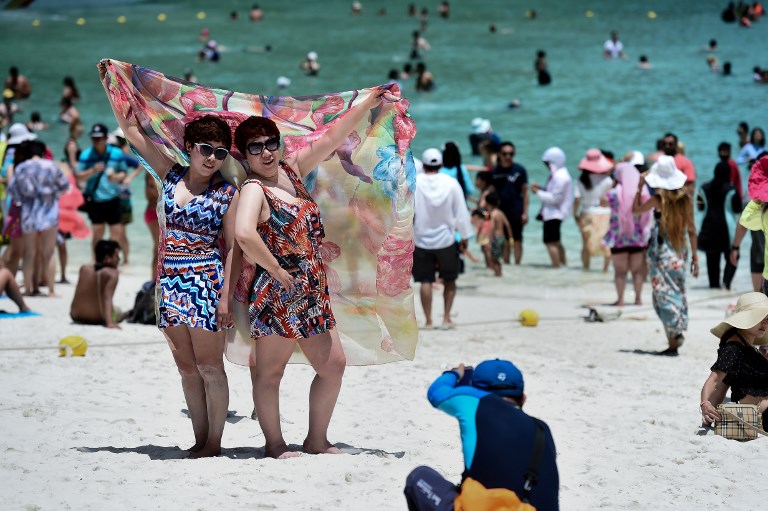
637, 158
283, 81
312, 55
118, 133
432, 157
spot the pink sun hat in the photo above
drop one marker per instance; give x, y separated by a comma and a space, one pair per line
596, 162
758, 180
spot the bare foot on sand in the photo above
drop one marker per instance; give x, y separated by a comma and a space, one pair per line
205, 452
197, 447
280, 452
324, 448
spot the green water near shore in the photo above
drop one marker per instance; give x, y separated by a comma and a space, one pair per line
591, 102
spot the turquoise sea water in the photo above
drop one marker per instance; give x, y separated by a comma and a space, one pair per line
591, 102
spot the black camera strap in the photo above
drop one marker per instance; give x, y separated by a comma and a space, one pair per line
532, 473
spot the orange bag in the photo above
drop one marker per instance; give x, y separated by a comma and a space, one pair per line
476, 497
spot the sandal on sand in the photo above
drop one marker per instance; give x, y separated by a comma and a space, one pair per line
669, 352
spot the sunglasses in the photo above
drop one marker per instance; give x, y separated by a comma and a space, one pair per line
507, 153
271, 144
207, 149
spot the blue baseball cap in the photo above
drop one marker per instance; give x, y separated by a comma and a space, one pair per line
501, 377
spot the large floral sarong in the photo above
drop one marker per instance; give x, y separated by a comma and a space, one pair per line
667, 270
364, 191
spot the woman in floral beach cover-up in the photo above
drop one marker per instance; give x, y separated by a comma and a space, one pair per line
667, 250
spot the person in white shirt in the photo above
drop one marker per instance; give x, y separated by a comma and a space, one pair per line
590, 207
557, 201
612, 48
440, 212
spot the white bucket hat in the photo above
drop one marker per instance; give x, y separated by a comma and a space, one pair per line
665, 175
751, 309
19, 133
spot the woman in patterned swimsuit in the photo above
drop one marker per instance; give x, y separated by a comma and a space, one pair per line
280, 231
200, 213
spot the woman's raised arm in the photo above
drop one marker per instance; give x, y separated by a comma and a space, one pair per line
159, 162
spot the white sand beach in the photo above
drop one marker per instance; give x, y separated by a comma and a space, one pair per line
106, 431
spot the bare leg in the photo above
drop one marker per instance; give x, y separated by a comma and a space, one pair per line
449, 293
62, 249
9, 286
518, 251
585, 255
117, 233
272, 354
47, 240
496, 267
757, 281
426, 301
620, 266
28, 267
209, 352
561, 252
327, 358
123, 241
98, 235
554, 254
13, 254
191, 381
506, 252
636, 262
487, 254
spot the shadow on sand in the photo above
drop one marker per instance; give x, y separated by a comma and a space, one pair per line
160, 452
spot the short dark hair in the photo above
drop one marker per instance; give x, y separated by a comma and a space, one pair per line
105, 248
254, 126
37, 148
668, 134
492, 200
506, 142
724, 146
485, 176
208, 127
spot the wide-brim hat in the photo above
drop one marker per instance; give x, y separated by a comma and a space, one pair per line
758, 180
665, 175
480, 125
19, 133
637, 158
594, 161
751, 309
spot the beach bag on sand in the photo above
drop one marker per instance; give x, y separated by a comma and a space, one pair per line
739, 422
144, 307
476, 497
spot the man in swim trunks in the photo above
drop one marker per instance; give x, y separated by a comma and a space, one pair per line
92, 303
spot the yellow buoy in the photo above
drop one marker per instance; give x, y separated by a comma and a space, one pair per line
72, 345
121, 19
80, 21
529, 317
162, 17
651, 15
201, 15
589, 14
36, 23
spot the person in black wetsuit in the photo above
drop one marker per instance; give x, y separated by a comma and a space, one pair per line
498, 439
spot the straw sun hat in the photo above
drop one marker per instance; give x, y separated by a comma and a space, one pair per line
751, 309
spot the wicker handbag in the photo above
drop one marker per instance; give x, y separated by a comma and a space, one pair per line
739, 422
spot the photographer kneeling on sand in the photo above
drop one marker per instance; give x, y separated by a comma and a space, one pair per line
509, 456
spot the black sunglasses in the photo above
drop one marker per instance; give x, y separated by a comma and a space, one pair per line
207, 149
257, 147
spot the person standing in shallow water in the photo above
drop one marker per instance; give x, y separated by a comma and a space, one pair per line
194, 296
668, 249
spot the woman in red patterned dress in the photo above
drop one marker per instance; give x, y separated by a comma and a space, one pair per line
279, 230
